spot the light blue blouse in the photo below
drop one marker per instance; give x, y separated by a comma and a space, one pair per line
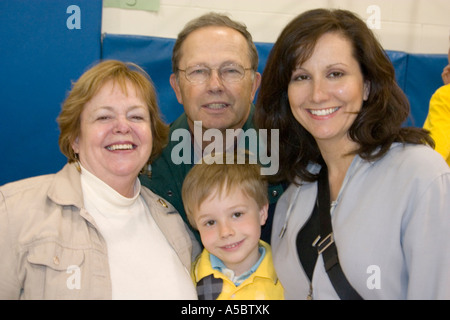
391, 224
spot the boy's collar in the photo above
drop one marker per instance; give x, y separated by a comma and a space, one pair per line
218, 265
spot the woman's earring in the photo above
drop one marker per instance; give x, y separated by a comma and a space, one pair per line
77, 163
147, 170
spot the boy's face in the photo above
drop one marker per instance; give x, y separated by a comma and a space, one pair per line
230, 228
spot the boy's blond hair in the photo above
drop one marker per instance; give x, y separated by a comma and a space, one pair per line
204, 179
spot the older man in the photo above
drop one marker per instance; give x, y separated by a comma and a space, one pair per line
215, 78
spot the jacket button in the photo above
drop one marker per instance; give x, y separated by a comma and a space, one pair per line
274, 193
56, 260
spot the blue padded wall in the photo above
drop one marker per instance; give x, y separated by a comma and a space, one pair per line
419, 75
40, 56
154, 56
399, 60
423, 78
45, 45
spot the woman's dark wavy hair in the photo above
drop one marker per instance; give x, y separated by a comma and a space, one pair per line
378, 124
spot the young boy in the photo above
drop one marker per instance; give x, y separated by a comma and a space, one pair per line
227, 204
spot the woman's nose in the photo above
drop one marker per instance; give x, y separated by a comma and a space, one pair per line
319, 91
122, 125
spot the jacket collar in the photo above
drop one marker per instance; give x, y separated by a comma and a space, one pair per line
66, 187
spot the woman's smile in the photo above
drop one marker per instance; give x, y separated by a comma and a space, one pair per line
122, 146
322, 112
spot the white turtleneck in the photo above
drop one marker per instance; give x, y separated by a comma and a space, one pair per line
142, 263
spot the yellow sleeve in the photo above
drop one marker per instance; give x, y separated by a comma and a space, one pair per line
438, 121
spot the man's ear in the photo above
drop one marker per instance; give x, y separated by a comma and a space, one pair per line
256, 84
176, 87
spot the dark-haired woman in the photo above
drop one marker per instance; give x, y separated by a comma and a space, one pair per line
330, 89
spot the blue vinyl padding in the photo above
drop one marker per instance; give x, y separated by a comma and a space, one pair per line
39, 57
422, 79
419, 75
36, 75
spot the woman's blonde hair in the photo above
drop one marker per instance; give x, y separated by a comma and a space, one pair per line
88, 86
205, 179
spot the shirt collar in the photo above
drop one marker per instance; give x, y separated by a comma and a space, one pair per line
218, 265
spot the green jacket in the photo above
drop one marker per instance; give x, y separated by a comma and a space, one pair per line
167, 178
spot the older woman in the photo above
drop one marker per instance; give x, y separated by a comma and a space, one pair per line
91, 231
374, 222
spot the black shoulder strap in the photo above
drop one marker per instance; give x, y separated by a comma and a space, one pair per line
326, 245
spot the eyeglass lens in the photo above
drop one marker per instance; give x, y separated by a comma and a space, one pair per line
228, 73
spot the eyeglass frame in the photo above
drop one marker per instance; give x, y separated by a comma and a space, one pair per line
218, 70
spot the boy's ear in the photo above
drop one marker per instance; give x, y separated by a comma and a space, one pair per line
263, 214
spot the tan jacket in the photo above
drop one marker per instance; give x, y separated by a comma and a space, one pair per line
50, 247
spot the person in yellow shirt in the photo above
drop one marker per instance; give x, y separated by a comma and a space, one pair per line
438, 118
226, 201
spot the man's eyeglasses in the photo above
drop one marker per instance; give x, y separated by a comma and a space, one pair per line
228, 73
